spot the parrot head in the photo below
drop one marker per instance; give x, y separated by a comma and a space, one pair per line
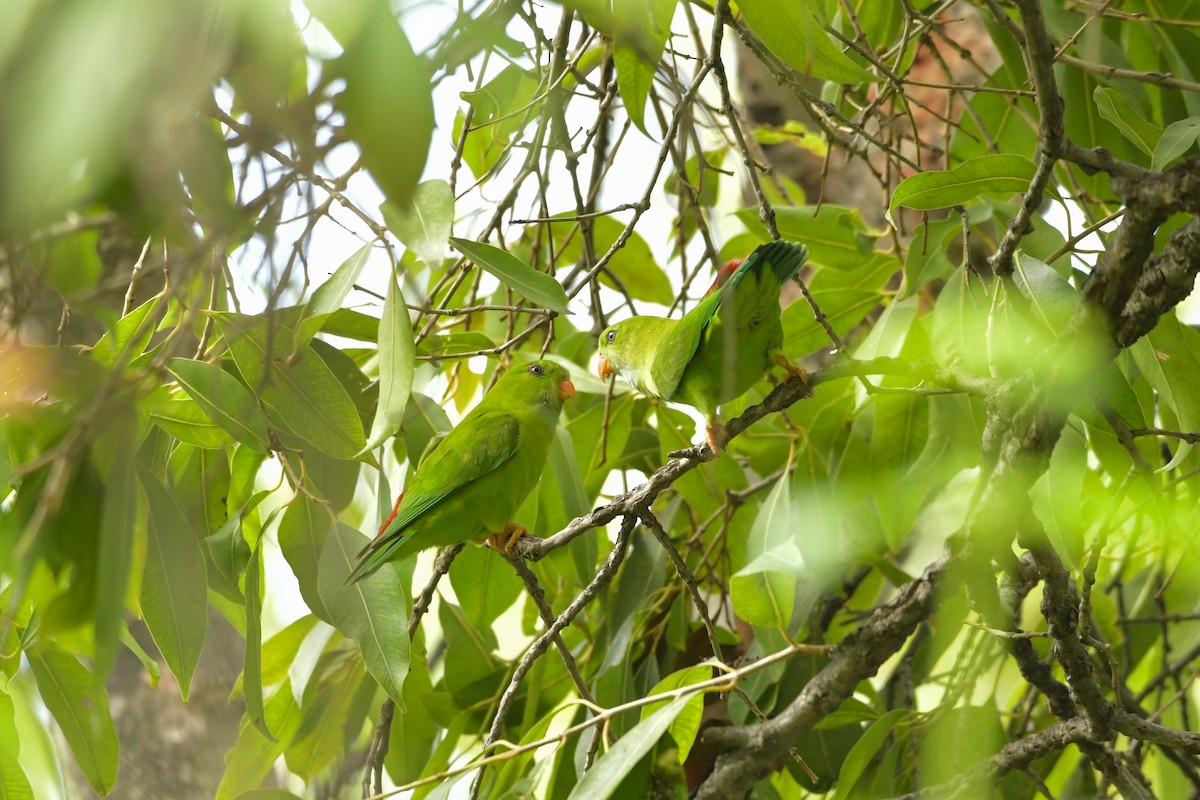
628, 348
544, 382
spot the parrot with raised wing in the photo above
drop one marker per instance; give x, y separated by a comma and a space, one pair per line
718, 350
472, 483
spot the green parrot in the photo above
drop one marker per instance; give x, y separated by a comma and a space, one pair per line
472, 482
719, 349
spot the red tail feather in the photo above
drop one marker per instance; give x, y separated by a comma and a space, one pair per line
723, 275
391, 516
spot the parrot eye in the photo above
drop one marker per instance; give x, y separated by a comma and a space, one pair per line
537, 370
610, 337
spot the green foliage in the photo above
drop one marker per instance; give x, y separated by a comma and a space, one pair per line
317, 300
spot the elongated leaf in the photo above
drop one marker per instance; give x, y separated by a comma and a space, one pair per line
387, 100
329, 296
835, 236
423, 226
686, 725
174, 585
302, 534
1169, 358
224, 399
766, 598
252, 667
252, 757
1114, 107
117, 521
397, 359
599, 782
944, 188
79, 704
1050, 297
302, 391
1179, 137
639, 34
516, 274
184, 419
794, 33
864, 751
136, 323
14, 785
373, 611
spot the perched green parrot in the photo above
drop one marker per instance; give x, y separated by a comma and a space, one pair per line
473, 481
718, 350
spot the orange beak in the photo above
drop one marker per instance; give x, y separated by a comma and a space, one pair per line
566, 389
604, 369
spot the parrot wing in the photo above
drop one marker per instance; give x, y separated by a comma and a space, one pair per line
675, 350
472, 450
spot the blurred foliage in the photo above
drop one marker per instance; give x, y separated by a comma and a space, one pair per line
190, 387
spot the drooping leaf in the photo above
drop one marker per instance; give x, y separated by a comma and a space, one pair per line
423, 226
79, 704
252, 667
184, 419
516, 274
118, 519
397, 358
224, 399
14, 785
373, 611
329, 296
686, 725
599, 782
174, 586
639, 34
795, 33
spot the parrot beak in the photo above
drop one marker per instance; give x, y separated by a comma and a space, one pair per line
566, 389
604, 369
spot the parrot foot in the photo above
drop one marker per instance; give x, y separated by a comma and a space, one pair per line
793, 370
505, 540
717, 436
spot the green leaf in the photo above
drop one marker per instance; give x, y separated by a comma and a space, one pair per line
302, 392
252, 757
1169, 358
134, 324
325, 709
523, 279
329, 296
1052, 299
794, 33
844, 297
303, 529
485, 584
184, 419
599, 782
373, 611
387, 100
397, 359
766, 598
1176, 140
1114, 107
14, 785
836, 236
279, 652
864, 752
174, 585
639, 35
633, 265
224, 399
76, 699
500, 109
118, 520
252, 666
1005, 174
687, 724
423, 226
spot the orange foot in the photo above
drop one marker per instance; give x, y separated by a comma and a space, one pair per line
505, 540
717, 434
793, 370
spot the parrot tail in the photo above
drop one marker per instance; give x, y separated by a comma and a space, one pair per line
785, 259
